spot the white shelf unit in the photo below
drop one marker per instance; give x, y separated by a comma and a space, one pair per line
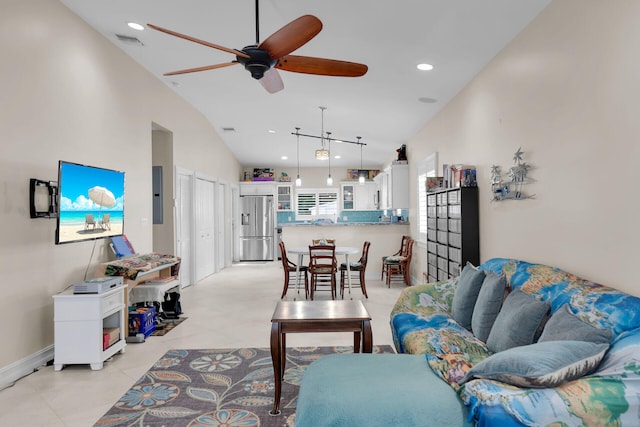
161, 271
79, 320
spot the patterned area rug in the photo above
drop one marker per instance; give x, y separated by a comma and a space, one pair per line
229, 387
166, 326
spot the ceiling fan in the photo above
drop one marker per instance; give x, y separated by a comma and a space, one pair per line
264, 58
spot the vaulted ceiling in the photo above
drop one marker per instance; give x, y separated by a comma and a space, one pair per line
385, 107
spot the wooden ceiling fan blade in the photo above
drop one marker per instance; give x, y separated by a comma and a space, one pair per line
271, 81
202, 42
205, 68
290, 37
321, 66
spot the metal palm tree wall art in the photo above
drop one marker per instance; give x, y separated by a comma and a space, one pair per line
511, 189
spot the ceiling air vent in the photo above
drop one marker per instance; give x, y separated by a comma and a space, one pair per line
228, 129
129, 40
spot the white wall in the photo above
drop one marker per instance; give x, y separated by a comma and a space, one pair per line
70, 94
566, 91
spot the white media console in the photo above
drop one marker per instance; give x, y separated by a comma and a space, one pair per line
79, 321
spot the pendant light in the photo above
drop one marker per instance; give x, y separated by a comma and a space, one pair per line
329, 179
360, 172
322, 153
298, 180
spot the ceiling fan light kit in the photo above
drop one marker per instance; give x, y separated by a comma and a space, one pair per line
263, 59
258, 62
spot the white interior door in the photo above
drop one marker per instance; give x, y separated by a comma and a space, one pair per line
205, 228
184, 215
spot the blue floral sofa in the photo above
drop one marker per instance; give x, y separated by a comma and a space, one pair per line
422, 323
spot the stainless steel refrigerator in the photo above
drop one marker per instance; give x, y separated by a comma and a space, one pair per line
256, 228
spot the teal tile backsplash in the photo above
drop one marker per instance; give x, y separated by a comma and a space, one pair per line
352, 216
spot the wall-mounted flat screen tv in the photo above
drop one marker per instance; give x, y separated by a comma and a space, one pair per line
91, 203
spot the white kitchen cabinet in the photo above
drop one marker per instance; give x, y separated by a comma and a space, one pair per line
381, 181
285, 197
257, 188
356, 196
366, 196
79, 320
347, 200
393, 185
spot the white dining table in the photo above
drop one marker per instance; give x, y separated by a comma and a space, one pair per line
340, 250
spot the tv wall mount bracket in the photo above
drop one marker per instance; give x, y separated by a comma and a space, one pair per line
39, 186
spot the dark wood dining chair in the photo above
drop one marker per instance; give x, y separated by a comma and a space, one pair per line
401, 252
322, 268
358, 267
290, 267
398, 266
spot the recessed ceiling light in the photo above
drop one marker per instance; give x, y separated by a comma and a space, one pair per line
425, 67
427, 100
271, 131
135, 26
283, 158
338, 157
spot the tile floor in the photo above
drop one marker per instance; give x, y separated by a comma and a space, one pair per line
230, 309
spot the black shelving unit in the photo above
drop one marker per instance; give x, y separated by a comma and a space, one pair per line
453, 236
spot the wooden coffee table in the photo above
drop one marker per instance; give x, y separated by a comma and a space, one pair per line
316, 316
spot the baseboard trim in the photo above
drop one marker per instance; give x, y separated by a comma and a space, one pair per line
13, 372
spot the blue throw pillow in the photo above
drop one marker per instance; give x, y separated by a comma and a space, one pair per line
488, 305
520, 317
466, 294
541, 365
564, 325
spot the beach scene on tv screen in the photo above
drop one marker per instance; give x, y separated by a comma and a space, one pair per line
91, 203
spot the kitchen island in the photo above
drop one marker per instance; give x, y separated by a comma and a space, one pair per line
384, 237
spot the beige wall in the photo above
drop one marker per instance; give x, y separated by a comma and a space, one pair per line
162, 155
566, 91
70, 94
